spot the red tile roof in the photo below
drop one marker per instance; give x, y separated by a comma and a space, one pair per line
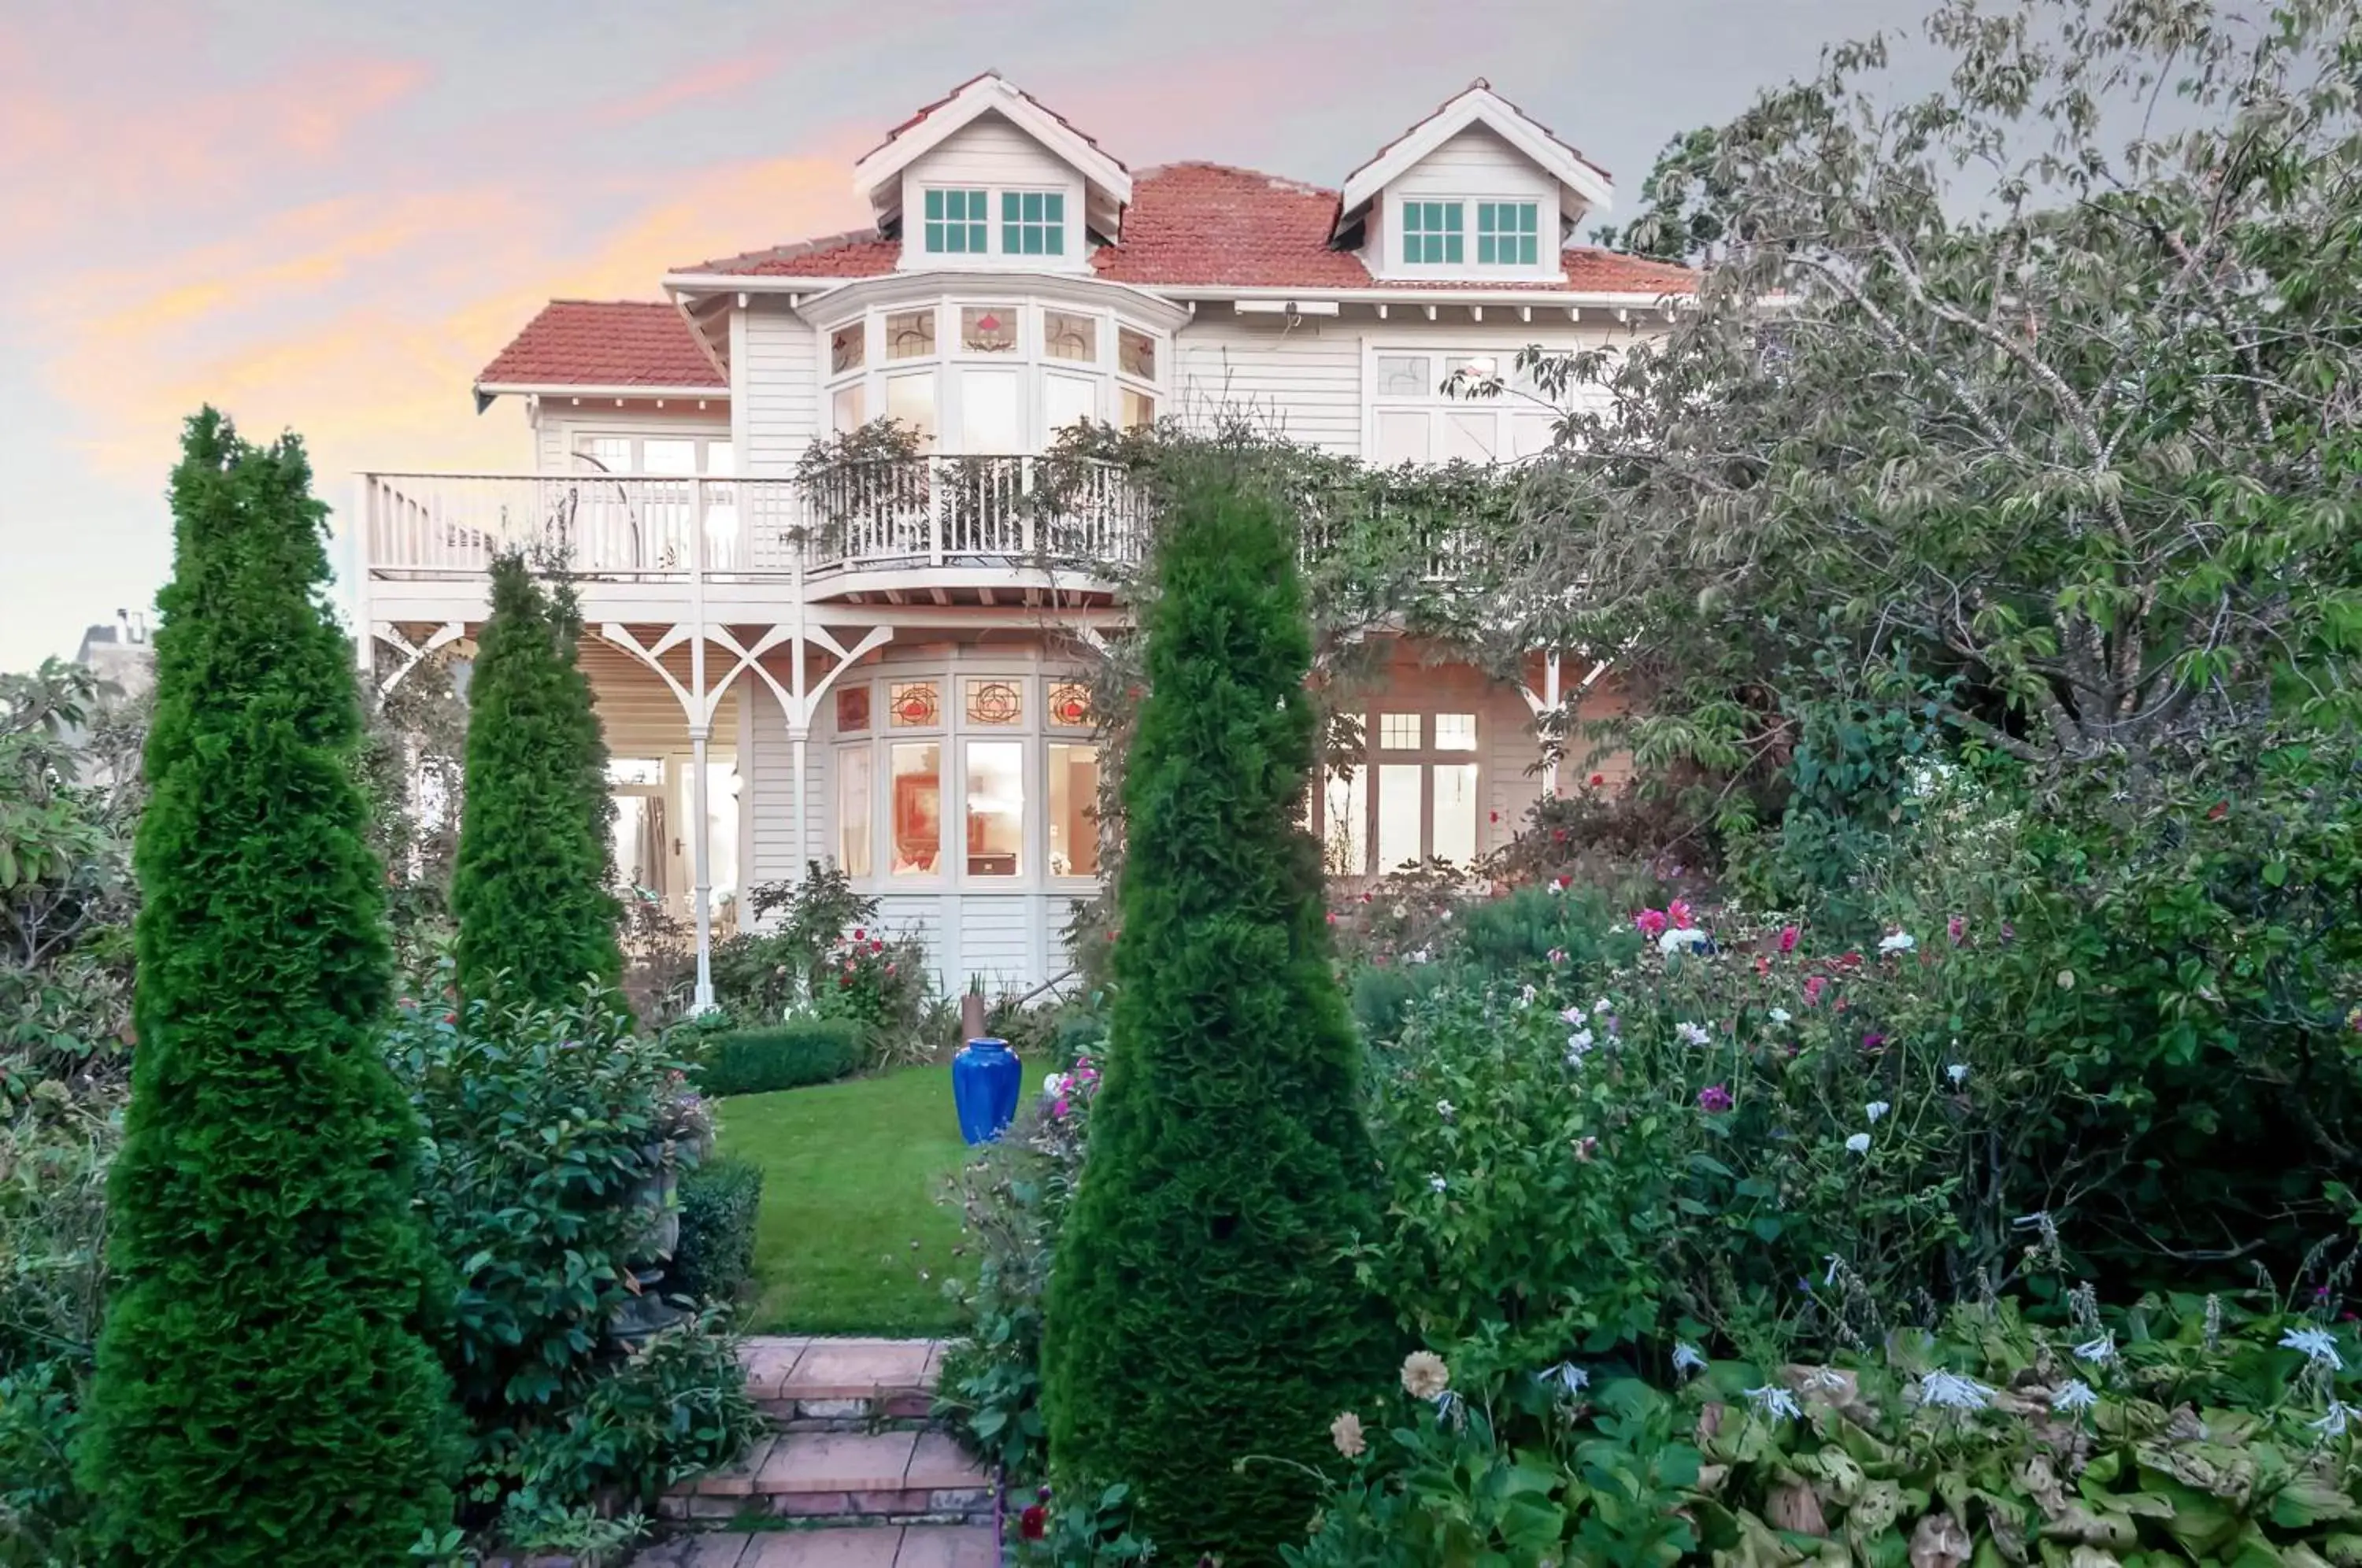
1213, 225
605, 343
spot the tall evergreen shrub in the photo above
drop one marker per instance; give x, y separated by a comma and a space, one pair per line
264, 1392
531, 885
1201, 1310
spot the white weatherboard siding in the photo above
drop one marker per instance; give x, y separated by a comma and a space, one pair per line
777, 380
561, 426
773, 788
1302, 381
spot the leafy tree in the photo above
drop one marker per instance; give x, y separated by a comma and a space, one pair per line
1202, 1307
2033, 399
531, 888
264, 1391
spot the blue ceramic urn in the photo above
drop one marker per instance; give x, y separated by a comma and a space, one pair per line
986, 1079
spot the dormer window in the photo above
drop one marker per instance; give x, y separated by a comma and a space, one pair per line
1432, 234
1033, 223
955, 223
1508, 234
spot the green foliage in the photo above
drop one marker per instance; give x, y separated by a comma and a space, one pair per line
765, 974
544, 1126
676, 1406
264, 1392
2172, 1433
44, 1517
1093, 1528
1201, 1287
715, 1255
70, 793
778, 1056
880, 984
530, 889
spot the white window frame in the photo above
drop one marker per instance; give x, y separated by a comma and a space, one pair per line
1425, 756
1511, 409
1547, 265
574, 432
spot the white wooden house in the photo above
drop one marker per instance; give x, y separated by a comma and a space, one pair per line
879, 668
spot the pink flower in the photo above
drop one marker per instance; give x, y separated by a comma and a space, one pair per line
1788, 934
1059, 1107
859, 935
1813, 989
1651, 924
1714, 1099
1956, 928
1678, 912
1558, 955
1332, 917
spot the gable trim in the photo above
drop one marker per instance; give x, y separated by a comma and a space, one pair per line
881, 167
1478, 105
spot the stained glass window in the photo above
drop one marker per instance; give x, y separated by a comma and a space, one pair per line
1431, 233
1403, 375
1507, 233
1070, 705
988, 329
1065, 335
846, 347
910, 333
995, 703
852, 709
955, 223
1033, 223
915, 705
1135, 354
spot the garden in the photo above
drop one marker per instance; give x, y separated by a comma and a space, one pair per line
1909, 1123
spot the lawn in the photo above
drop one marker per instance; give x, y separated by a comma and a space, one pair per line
851, 1237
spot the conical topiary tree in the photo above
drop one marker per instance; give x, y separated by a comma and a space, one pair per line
530, 886
264, 1392
1201, 1309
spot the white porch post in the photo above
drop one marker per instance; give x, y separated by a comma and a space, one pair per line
1551, 699
800, 717
700, 730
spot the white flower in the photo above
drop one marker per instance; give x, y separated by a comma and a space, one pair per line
1556, 889
1603, 1005
1949, 1391
1436, 1183
1779, 1015
2101, 1349
1054, 1084
1570, 1379
1400, 912
1687, 1358
1416, 956
1774, 1402
2072, 1395
1858, 1144
1579, 1041
1526, 997
1572, 1016
1684, 939
2334, 1423
1692, 1033
1897, 942
1443, 1109
1959, 1072
2316, 1345
1829, 1275
1876, 1108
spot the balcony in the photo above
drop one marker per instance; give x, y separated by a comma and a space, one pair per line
951, 518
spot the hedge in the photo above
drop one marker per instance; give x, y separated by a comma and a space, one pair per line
715, 1255
780, 1055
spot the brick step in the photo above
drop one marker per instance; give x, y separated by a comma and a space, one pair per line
830, 1385
890, 1477
877, 1546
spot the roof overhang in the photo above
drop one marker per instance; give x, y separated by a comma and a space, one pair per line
1509, 298
487, 391
877, 177
823, 299
1479, 105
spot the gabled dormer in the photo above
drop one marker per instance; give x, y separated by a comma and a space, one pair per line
1475, 193
987, 179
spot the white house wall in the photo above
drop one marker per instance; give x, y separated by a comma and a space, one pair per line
778, 374
992, 153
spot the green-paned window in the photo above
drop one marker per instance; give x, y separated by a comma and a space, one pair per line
1431, 233
955, 223
1033, 223
1508, 234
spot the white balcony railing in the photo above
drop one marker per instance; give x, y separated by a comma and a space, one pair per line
889, 513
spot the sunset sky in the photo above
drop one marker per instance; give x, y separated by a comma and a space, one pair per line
328, 215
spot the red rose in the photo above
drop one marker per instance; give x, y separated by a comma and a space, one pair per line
1034, 1523
1597, 779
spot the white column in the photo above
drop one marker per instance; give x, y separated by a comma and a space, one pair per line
701, 728
1549, 702
800, 717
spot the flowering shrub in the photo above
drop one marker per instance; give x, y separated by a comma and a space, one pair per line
880, 983
2188, 1433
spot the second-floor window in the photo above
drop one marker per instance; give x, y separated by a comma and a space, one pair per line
1508, 234
1432, 234
1033, 223
955, 223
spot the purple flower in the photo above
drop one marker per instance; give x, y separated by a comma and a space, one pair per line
1714, 1099
1872, 1041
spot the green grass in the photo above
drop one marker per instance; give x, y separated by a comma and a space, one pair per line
851, 1175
